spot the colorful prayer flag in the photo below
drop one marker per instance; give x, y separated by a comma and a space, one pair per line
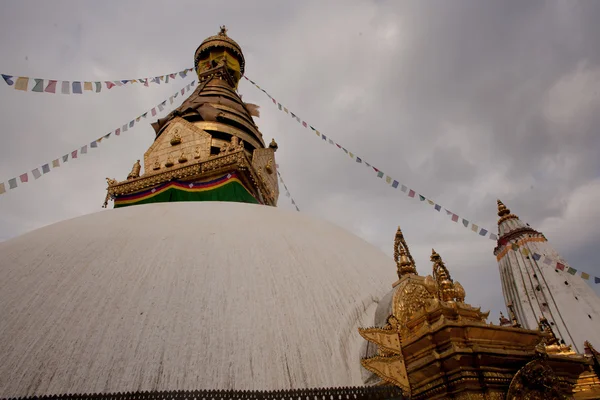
422, 198
45, 168
98, 86
465, 222
585, 275
548, 261
380, 174
437, 207
493, 236
286, 110
65, 158
124, 128
572, 271
12, 183
160, 107
2, 188
94, 144
596, 279
560, 266
358, 160
8, 79
324, 137
109, 85
411, 193
131, 123
454, 217
55, 163
22, 83
536, 256
36, 173
66, 87
24, 177
153, 111
304, 124
87, 86
404, 188
395, 184
483, 232
39, 85
474, 228
74, 154
51, 88
77, 87
430, 202
83, 150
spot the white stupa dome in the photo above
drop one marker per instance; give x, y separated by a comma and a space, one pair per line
184, 296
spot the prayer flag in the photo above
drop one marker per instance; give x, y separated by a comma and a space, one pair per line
345, 150
55, 163
118, 83
525, 252
324, 137
404, 188
411, 193
94, 144
22, 83
160, 107
430, 202
182, 74
77, 88
274, 102
493, 236
8, 79
317, 133
45, 168
304, 124
474, 228
2, 188
279, 106
387, 178
24, 177
395, 184
351, 155
124, 128
483, 232
171, 100
572, 271
107, 135
109, 85
87, 86
66, 87
437, 207
39, 85
286, 110
298, 119
176, 94
36, 173
12, 183
585, 275
98, 87
358, 160
536, 256
187, 88
596, 279
454, 217
74, 154
153, 111
548, 261
465, 222
515, 246
144, 114
330, 141
97, 141
51, 88
422, 198
293, 115
560, 266
448, 212
380, 174
166, 78
367, 164
65, 158
131, 123
83, 150
182, 91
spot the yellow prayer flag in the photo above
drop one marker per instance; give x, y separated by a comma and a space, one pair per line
87, 86
286, 110
55, 164
430, 202
2, 188
22, 83
584, 275
351, 155
134, 81
475, 228
525, 252
318, 133
388, 179
99, 140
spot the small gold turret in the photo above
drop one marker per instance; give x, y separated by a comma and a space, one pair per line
448, 290
404, 261
502, 209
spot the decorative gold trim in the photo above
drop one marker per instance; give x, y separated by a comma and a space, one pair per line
221, 127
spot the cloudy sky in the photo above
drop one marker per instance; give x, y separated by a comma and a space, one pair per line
463, 101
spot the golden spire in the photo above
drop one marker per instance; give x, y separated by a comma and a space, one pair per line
448, 290
502, 209
404, 261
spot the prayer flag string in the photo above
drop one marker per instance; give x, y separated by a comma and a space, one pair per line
13, 183
287, 192
39, 85
380, 174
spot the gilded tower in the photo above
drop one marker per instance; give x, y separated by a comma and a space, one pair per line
209, 148
537, 285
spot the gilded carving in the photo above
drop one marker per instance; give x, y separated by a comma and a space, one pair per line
182, 158
537, 381
264, 160
404, 261
156, 166
135, 171
169, 162
176, 138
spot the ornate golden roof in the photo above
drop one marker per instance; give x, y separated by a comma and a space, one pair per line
220, 40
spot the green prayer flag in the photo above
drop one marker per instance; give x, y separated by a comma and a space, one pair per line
39, 85
572, 271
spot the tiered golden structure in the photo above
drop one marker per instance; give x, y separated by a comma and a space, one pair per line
436, 346
211, 134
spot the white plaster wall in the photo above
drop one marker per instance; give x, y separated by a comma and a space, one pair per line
186, 296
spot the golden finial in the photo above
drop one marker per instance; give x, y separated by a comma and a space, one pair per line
448, 290
404, 261
502, 210
223, 31
273, 145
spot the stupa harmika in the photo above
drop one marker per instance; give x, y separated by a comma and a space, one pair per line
197, 287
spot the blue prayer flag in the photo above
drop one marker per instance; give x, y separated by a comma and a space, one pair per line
395, 184
8, 79
77, 88
437, 207
483, 232
45, 168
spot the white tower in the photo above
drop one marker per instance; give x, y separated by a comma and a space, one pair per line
536, 283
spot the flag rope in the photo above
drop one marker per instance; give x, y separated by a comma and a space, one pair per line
287, 192
380, 174
46, 168
41, 85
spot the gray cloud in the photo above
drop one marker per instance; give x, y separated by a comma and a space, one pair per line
463, 101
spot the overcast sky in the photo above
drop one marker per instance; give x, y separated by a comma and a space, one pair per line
463, 101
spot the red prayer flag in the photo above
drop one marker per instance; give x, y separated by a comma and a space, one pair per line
560, 266
24, 177
109, 84
411, 193
454, 217
274, 102
51, 88
74, 154
153, 112
304, 124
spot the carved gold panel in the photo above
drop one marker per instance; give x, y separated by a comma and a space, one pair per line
181, 143
263, 161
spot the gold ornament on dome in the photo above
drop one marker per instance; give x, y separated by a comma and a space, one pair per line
156, 165
197, 153
169, 162
176, 138
135, 171
448, 290
269, 166
404, 261
182, 158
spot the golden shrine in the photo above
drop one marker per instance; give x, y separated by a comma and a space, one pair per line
209, 148
433, 345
